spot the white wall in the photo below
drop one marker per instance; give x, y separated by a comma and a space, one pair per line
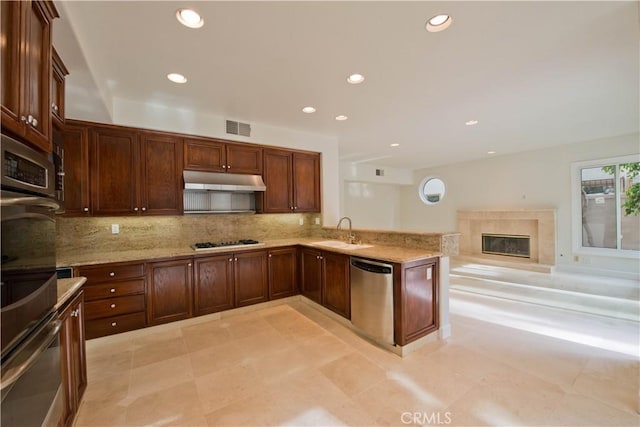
534, 179
159, 117
372, 206
370, 200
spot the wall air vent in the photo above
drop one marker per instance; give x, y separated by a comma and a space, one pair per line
237, 128
379, 172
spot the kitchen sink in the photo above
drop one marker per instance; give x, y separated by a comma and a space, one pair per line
337, 244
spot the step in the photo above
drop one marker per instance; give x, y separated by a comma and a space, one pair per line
619, 308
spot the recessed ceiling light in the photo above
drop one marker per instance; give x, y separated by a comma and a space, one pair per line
189, 18
355, 79
395, 144
471, 122
341, 118
308, 110
177, 78
438, 23
491, 152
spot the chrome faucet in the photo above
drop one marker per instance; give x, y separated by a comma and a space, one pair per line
351, 238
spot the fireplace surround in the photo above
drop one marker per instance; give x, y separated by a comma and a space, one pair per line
539, 225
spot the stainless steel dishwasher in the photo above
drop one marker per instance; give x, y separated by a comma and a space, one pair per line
372, 298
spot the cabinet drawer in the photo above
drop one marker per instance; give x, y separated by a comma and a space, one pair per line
105, 273
113, 306
114, 325
115, 289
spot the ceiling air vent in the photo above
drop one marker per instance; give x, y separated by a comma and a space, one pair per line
237, 128
379, 172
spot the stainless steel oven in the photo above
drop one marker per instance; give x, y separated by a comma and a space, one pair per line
32, 393
30, 352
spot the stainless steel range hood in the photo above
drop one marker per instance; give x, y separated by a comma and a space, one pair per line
212, 181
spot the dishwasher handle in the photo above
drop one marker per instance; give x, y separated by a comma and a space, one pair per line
371, 267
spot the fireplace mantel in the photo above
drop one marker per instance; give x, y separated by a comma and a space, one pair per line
539, 224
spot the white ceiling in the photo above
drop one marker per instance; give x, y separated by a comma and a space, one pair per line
535, 74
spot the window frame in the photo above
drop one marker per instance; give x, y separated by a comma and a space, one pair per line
576, 207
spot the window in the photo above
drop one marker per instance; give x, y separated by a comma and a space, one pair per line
606, 206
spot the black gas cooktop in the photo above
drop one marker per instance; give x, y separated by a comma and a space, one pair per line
230, 244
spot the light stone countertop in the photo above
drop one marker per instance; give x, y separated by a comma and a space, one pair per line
395, 254
67, 288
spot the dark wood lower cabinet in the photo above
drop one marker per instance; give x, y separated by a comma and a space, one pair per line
415, 300
250, 278
283, 272
213, 279
311, 274
336, 289
73, 357
119, 300
169, 291
324, 278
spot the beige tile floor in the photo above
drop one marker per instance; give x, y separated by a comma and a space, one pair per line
291, 365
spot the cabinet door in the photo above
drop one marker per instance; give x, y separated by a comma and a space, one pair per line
59, 71
250, 278
277, 177
38, 75
311, 274
336, 292
169, 294
283, 280
161, 163
419, 307
204, 155
244, 159
76, 170
306, 182
73, 358
114, 172
11, 28
213, 284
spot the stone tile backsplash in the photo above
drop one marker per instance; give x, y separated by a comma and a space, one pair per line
148, 232
93, 234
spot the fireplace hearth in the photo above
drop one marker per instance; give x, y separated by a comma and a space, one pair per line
507, 245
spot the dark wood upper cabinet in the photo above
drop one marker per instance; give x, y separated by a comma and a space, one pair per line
204, 155
59, 72
415, 300
169, 293
306, 182
292, 180
26, 70
336, 288
114, 172
161, 172
283, 272
244, 158
278, 172
210, 155
213, 284
77, 195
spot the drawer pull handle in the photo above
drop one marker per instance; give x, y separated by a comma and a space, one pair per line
111, 274
114, 323
113, 306
112, 290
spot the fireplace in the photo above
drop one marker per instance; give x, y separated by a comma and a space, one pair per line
539, 225
505, 244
